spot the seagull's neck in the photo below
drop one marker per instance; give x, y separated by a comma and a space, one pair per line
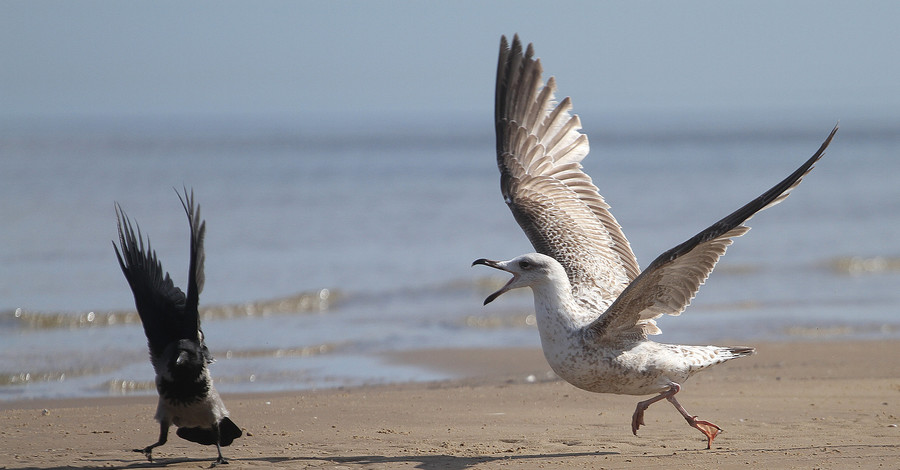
560, 321
556, 308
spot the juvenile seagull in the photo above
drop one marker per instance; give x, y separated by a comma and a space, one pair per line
594, 306
178, 353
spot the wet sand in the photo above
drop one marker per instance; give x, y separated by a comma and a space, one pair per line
794, 405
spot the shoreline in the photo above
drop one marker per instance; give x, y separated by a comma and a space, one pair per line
812, 404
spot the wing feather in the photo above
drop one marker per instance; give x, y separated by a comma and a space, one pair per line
159, 303
671, 281
166, 313
196, 278
539, 150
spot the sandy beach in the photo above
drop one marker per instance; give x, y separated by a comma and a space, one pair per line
794, 405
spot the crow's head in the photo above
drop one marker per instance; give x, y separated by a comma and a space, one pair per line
186, 359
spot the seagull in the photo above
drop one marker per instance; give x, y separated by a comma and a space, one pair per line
595, 308
187, 397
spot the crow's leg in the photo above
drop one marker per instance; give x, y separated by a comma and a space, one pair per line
220, 459
163, 436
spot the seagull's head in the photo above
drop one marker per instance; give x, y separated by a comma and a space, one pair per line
529, 270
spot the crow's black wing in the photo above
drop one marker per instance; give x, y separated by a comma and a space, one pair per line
228, 432
191, 323
159, 303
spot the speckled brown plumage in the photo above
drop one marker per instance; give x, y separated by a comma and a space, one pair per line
595, 308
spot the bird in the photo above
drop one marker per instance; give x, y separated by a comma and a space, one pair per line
178, 352
595, 308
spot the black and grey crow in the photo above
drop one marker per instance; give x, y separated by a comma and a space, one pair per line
171, 322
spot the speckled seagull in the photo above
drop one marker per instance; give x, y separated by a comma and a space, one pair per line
595, 307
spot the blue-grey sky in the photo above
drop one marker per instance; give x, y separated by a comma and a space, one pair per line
374, 59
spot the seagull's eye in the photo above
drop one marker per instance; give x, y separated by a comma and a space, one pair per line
524, 265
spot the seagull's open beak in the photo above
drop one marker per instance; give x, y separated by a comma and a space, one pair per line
496, 265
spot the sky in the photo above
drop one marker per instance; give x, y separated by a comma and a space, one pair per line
374, 60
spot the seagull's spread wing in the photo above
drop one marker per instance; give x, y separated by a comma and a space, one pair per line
671, 281
159, 302
539, 148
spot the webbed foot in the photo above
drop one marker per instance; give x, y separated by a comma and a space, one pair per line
708, 429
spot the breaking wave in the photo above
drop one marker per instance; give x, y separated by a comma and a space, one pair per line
858, 265
305, 302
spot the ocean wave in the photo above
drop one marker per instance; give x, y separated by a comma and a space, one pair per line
330, 299
512, 320
127, 387
858, 265
305, 302
306, 351
839, 331
8, 379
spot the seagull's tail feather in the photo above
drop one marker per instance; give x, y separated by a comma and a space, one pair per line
740, 351
701, 357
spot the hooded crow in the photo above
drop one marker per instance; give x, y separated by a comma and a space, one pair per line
171, 322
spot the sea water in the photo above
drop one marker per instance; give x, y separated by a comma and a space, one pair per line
329, 245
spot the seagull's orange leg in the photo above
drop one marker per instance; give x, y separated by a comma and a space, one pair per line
708, 429
637, 419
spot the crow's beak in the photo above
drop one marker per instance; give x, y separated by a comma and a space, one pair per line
495, 265
182, 358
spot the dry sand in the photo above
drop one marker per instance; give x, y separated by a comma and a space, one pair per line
794, 405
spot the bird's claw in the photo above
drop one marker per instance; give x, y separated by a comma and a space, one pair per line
147, 453
637, 420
